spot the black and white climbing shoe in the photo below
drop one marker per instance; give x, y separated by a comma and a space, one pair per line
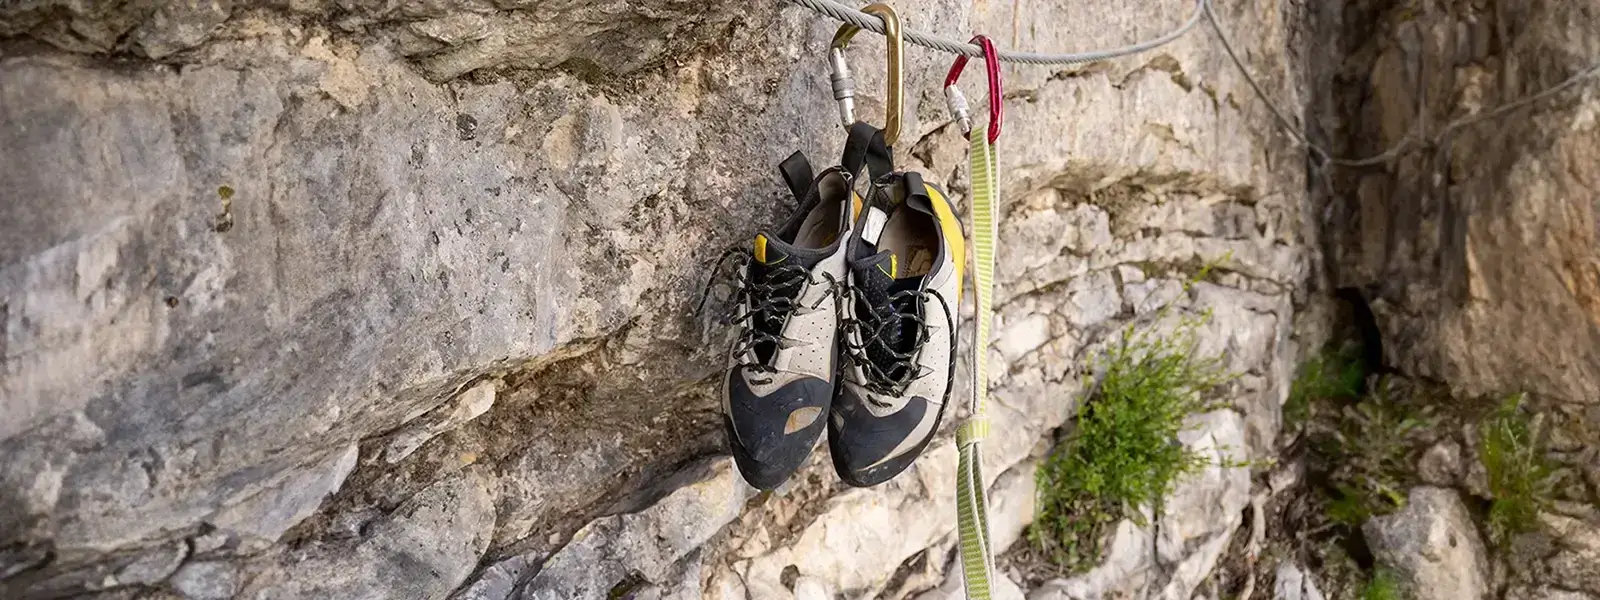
782, 369
906, 258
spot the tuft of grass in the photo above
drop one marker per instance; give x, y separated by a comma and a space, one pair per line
1124, 453
1366, 453
1332, 375
1383, 585
1520, 476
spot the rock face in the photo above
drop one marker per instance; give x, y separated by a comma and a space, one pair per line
397, 300
1433, 545
1294, 583
1487, 237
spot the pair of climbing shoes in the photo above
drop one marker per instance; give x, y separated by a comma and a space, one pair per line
847, 310
846, 317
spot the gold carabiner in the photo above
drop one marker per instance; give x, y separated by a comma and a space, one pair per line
843, 88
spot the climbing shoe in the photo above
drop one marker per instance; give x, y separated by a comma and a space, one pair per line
905, 260
782, 368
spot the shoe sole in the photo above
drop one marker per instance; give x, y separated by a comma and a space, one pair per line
891, 468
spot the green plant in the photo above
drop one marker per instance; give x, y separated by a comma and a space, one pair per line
1382, 586
1520, 477
1124, 453
1366, 453
1330, 375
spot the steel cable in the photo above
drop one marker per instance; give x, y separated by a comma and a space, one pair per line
843, 12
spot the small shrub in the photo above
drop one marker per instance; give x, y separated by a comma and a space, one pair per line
1330, 375
1384, 585
1366, 454
1124, 453
1520, 477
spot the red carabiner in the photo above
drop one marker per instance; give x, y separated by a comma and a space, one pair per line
991, 63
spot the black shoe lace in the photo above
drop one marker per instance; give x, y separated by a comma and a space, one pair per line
772, 294
889, 365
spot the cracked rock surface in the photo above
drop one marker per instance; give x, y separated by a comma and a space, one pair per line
359, 299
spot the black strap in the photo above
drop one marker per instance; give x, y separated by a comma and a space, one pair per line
914, 188
865, 146
797, 173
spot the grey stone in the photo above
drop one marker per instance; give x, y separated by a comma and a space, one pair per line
1204, 510
153, 566
177, 26
541, 477
1433, 545
1489, 307
1023, 336
1294, 583
425, 549
1124, 571
1092, 299
465, 407
1130, 274
682, 584
1545, 593
649, 543
1576, 567
1001, 588
498, 581
206, 580
142, 566
811, 588
1440, 465
209, 541
1152, 295
258, 521
1198, 521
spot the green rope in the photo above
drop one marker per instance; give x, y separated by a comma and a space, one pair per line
972, 505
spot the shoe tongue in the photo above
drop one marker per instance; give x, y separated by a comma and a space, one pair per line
772, 251
874, 277
876, 273
920, 203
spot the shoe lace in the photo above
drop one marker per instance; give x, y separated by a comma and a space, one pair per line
762, 301
888, 369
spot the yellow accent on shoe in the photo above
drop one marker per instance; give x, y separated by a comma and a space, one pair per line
855, 206
951, 228
894, 266
761, 248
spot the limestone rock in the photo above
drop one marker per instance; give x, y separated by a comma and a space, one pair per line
1294, 583
648, 543
1545, 593
425, 549
145, 566
1440, 465
1490, 301
811, 588
152, 567
1123, 572
261, 519
863, 535
1575, 564
1433, 545
177, 26
498, 581
209, 580
1200, 518
467, 406
1202, 513
1001, 588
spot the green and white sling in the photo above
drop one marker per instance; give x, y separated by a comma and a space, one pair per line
972, 506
